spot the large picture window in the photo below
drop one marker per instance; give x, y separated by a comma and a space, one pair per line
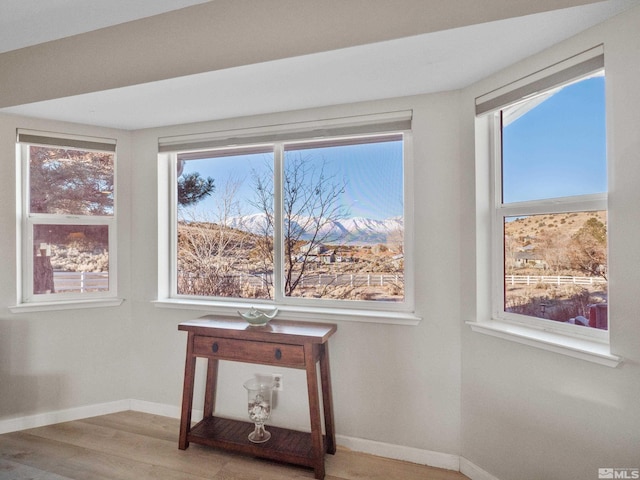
550, 215
68, 218
301, 222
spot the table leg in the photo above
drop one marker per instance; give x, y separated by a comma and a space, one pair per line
211, 387
310, 354
327, 399
187, 394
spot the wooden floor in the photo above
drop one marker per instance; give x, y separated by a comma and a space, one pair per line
139, 446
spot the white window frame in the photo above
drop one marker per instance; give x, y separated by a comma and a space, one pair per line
501, 211
579, 342
27, 301
278, 137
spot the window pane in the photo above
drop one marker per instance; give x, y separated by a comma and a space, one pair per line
554, 145
70, 182
70, 258
225, 225
556, 267
343, 221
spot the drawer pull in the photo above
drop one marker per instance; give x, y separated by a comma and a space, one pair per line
278, 354
214, 347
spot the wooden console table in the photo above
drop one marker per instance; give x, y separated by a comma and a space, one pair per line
280, 343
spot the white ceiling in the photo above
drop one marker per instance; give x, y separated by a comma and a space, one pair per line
439, 61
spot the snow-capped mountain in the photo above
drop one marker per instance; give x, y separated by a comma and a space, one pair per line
256, 223
354, 230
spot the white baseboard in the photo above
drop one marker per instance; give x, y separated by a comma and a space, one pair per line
163, 410
59, 416
473, 471
397, 452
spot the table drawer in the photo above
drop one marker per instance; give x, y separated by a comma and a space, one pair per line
252, 352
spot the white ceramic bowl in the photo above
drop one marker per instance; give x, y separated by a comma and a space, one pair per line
258, 317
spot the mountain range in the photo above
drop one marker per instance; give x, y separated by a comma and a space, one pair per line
348, 231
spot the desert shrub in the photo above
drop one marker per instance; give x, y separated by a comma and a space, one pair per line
365, 295
394, 289
209, 283
558, 305
251, 291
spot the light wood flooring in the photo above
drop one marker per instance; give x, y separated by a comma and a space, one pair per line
139, 446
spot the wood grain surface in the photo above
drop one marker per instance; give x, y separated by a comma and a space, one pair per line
139, 446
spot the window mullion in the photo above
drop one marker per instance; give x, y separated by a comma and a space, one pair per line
25, 228
278, 234
581, 203
172, 244
497, 264
27, 261
51, 219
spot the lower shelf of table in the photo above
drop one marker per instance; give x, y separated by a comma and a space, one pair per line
285, 445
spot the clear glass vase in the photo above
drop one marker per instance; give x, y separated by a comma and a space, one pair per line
259, 407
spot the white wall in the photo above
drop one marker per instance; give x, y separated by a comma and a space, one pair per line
532, 414
391, 383
52, 361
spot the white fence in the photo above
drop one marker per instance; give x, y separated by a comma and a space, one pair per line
352, 279
552, 279
80, 282
310, 280
99, 281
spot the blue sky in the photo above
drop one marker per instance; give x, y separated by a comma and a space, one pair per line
226, 170
556, 149
559, 147
372, 174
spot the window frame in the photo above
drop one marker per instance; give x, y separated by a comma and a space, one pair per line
289, 307
27, 300
568, 204
585, 344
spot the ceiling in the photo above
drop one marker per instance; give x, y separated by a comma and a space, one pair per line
29, 22
433, 62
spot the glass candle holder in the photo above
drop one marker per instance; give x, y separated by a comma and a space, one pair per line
260, 398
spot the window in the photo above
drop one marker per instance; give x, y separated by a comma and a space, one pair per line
67, 218
313, 222
550, 201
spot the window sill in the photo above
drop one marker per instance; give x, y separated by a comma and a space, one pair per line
584, 349
65, 305
289, 312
